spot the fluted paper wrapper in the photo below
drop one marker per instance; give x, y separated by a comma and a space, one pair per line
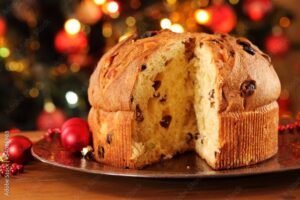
248, 137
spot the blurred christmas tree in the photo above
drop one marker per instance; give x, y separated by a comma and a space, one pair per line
49, 48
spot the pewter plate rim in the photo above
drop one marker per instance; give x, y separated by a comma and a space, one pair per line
283, 161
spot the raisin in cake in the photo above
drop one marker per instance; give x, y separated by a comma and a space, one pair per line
166, 93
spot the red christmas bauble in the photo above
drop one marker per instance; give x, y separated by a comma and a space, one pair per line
14, 130
223, 18
88, 12
19, 149
70, 44
47, 120
277, 44
22, 140
74, 121
2, 26
75, 134
257, 9
16, 153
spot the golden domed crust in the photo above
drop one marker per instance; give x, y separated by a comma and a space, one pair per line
247, 78
112, 83
241, 66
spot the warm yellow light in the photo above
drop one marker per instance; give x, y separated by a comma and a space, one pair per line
112, 7
177, 28
107, 30
49, 106
165, 23
125, 36
72, 26
99, 2
171, 2
130, 21
234, 2
202, 16
15, 66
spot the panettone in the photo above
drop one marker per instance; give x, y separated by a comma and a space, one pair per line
165, 93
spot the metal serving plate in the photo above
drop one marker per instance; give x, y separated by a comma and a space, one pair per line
188, 165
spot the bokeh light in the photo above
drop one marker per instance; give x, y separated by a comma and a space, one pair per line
4, 52
233, 2
34, 92
107, 30
284, 22
165, 23
202, 16
71, 97
112, 7
177, 28
130, 21
100, 2
171, 2
49, 106
72, 26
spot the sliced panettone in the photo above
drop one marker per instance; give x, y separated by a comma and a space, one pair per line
169, 93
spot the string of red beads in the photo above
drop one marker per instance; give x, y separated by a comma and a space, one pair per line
289, 127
